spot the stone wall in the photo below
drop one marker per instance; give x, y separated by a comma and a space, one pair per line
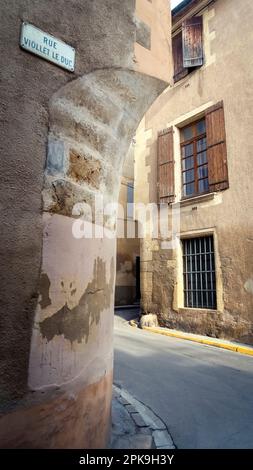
226, 75
128, 244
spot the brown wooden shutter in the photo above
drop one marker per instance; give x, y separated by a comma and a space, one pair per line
216, 148
192, 42
166, 166
177, 49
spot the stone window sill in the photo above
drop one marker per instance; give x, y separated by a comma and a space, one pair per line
197, 310
197, 199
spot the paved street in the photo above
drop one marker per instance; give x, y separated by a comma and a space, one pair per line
203, 394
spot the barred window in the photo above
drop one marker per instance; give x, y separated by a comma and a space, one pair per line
199, 273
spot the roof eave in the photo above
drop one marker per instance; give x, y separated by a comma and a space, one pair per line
181, 7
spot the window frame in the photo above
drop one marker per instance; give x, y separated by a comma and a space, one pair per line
130, 203
213, 292
193, 141
176, 33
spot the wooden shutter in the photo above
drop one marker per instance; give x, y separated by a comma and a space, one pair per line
166, 166
216, 148
179, 70
192, 42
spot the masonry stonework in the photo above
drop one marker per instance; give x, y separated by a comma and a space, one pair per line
225, 76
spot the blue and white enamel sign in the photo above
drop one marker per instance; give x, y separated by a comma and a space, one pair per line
44, 45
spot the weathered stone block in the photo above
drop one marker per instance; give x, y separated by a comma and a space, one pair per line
149, 320
138, 420
83, 169
162, 439
62, 196
56, 161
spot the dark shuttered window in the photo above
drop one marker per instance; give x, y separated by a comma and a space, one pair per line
177, 49
166, 191
187, 47
199, 273
192, 42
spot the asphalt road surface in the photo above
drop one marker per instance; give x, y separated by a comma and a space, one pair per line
202, 393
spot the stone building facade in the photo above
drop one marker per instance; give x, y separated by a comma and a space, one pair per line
64, 137
127, 283
194, 154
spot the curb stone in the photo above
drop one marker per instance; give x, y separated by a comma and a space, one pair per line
142, 428
134, 323
230, 346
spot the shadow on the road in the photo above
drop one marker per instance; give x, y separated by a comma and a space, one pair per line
203, 394
127, 314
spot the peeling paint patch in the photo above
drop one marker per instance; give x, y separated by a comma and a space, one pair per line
44, 291
143, 34
74, 324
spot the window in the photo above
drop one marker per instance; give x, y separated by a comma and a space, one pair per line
194, 159
130, 200
199, 273
187, 48
203, 156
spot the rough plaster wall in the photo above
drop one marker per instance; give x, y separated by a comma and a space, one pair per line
226, 75
91, 116
72, 336
27, 84
58, 421
81, 284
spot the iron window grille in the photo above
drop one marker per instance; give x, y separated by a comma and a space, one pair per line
199, 273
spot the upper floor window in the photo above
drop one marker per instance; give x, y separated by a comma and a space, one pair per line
187, 47
194, 159
203, 157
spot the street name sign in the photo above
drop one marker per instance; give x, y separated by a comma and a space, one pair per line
48, 47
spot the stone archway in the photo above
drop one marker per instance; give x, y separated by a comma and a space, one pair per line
92, 123
92, 120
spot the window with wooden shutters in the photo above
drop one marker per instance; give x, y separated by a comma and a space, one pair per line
166, 166
187, 47
192, 42
216, 148
204, 154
